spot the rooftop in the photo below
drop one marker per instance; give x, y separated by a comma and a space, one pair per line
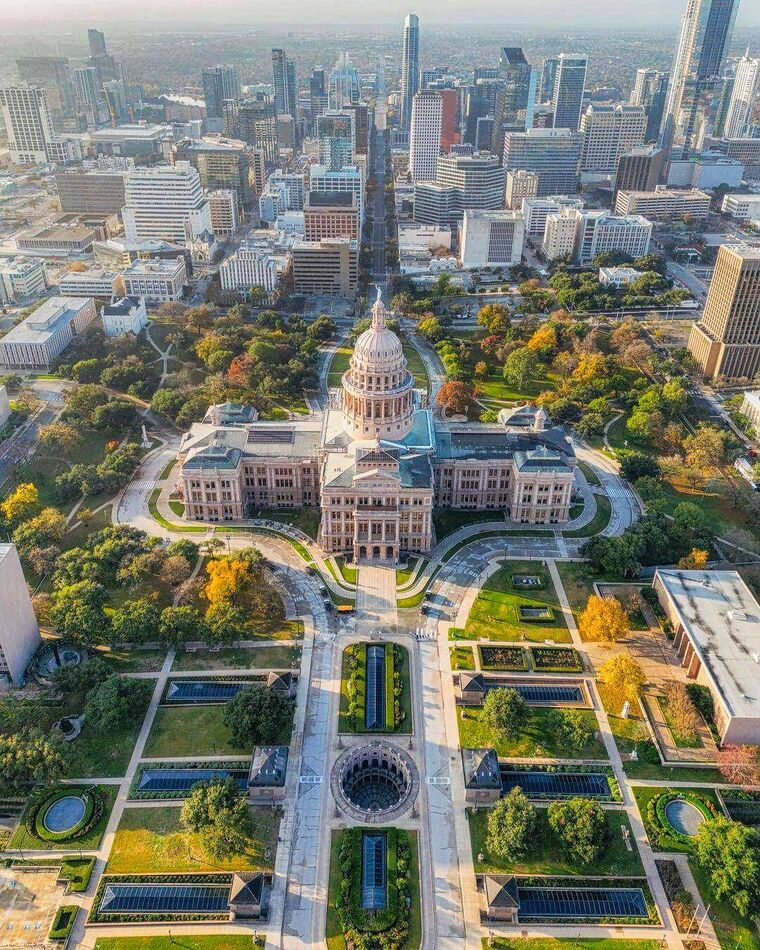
121, 306
46, 320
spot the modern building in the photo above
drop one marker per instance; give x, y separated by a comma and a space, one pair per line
223, 209
165, 202
584, 234
552, 154
94, 282
707, 170
745, 151
19, 631
663, 203
348, 179
254, 121
750, 406
425, 135
329, 267
546, 82
285, 87
410, 69
608, 133
744, 98
726, 341
256, 263
491, 238
57, 240
335, 135
536, 210
344, 84
223, 163
158, 281
639, 169
717, 638
515, 95
742, 207
477, 179
219, 83
696, 77
519, 184
560, 233
39, 339
29, 127
21, 278
650, 90
93, 191
375, 463
331, 215
567, 97
124, 315
142, 141
52, 74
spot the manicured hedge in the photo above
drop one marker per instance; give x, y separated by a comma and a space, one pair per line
661, 830
63, 922
77, 873
95, 804
390, 711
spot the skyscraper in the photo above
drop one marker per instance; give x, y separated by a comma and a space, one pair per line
335, 132
726, 341
345, 86
743, 98
425, 135
254, 121
609, 132
548, 75
569, 83
410, 69
28, 125
284, 77
515, 95
219, 83
96, 40
51, 73
552, 154
650, 89
696, 82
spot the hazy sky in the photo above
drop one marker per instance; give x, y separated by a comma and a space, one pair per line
517, 13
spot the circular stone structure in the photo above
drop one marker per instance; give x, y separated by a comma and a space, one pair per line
684, 817
374, 781
64, 814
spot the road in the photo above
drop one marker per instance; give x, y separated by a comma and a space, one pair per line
20, 446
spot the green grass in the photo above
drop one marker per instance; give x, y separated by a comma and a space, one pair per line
276, 630
184, 941
462, 658
189, 730
446, 521
157, 516
338, 366
88, 842
350, 574
591, 477
731, 929
537, 739
496, 389
559, 943
546, 855
165, 472
306, 519
153, 841
645, 793
177, 507
237, 658
494, 614
681, 741
345, 721
598, 523
97, 754
404, 575
133, 661
416, 367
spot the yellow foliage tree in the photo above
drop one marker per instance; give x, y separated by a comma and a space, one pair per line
229, 580
545, 337
603, 619
695, 560
590, 366
623, 675
20, 502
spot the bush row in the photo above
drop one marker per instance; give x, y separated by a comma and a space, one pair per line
660, 829
63, 922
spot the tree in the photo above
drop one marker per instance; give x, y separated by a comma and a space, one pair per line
581, 826
81, 402
706, 448
521, 366
695, 560
226, 622
59, 437
218, 812
32, 755
623, 675
682, 714
114, 416
573, 728
257, 715
505, 711
135, 622
229, 581
83, 677
511, 826
78, 613
740, 764
456, 397
117, 702
691, 521
604, 618
729, 854
175, 570
178, 625
21, 502
635, 465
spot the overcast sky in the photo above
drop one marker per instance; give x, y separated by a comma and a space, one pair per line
517, 13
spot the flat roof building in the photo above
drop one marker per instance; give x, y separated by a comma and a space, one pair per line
19, 631
158, 281
492, 238
328, 267
331, 215
663, 203
57, 240
21, 278
94, 282
92, 191
44, 335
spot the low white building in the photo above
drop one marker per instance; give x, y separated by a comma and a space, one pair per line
705, 171
618, 276
44, 335
157, 280
742, 207
21, 278
560, 233
492, 238
663, 203
424, 236
751, 406
124, 315
19, 631
256, 263
95, 282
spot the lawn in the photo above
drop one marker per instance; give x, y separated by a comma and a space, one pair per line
97, 754
306, 519
494, 615
350, 574
184, 941
547, 856
598, 523
345, 721
189, 730
538, 738
404, 575
591, 477
559, 943
416, 366
731, 929
645, 794
237, 658
133, 661
462, 658
446, 521
153, 841
338, 365
496, 389
88, 842
276, 630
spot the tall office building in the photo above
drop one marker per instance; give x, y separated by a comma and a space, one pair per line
726, 341
53, 75
515, 95
19, 632
696, 77
650, 90
222, 164
569, 83
548, 76
285, 89
317, 94
552, 154
335, 134
744, 98
464, 181
360, 113
165, 203
344, 85
28, 125
254, 121
410, 69
425, 135
219, 83
96, 40
609, 132
639, 169
519, 184
449, 126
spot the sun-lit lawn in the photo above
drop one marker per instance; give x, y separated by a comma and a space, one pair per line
731, 929
22, 839
416, 366
560, 943
153, 841
189, 730
537, 739
598, 523
184, 941
462, 658
338, 366
237, 658
307, 519
96, 753
496, 388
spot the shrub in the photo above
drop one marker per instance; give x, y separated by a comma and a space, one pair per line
63, 922
94, 802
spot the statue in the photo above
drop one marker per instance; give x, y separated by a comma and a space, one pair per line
145, 444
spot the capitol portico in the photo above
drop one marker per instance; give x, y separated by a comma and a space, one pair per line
376, 461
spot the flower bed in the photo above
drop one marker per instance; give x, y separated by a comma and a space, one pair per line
503, 658
96, 917
556, 660
653, 917
94, 807
659, 828
63, 922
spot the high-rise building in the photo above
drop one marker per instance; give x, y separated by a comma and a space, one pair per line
221, 164
360, 113
662, 204
348, 179
425, 135
515, 95
519, 184
90, 191
449, 125
219, 83
328, 267
165, 203
254, 121
650, 90
536, 211
19, 632
639, 169
335, 135
744, 98
28, 125
492, 238
726, 341
331, 215
548, 76
569, 83
696, 76
463, 181
53, 75
96, 40
410, 69
552, 154
609, 132
285, 89
345, 85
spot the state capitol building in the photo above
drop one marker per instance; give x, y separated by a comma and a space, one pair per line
376, 461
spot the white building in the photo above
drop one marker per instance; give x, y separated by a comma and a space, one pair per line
284, 191
5, 406
95, 282
663, 203
743, 98
705, 171
536, 210
425, 135
43, 335
223, 209
618, 276
560, 233
21, 278
424, 237
601, 231
31, 138
751, 407
165, 202
157, 280
19, 631
608, 133
256, 263
124, 315
492, 238
519, 184
349, 178
743, 207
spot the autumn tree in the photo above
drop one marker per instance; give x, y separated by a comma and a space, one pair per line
740, 764
603, 619
456, 397
59, 437
706, 448
21, 502
681, 712
229, 581
695, 560
623, 675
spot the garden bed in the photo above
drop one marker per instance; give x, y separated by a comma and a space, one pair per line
503, 658
653, 802
398, 708
556, 660
614, 795
63, 922
97, 917
86, 834
742, 805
